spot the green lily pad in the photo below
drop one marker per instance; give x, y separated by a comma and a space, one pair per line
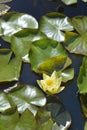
23, 40
13, 22
80, 24
9, 69
82, 78
74, 42
5, 1
77, 44
3, 7
12, 120
26, 97
83, 99
27, 121
44, 119
53, 25
4, 103
8, 121
69, 2
84, 0
85, 126
67, 74
43, 52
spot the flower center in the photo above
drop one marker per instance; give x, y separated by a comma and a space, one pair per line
49, 82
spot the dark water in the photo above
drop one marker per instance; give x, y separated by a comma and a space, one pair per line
70, 95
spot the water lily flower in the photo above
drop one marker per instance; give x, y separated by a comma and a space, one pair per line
51, 84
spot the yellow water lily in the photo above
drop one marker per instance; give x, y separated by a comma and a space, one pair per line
51, 84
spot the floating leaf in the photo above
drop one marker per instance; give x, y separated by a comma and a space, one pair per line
83, 99
53, 25
69, 2
67, 74
9, 69
77, 43
4, 1
84, 0
4, 102
27, 121
47, 55
52, 56
3, 7
23, 40
44, 119
13, 22
25, 96
12, 120
8, 121
80, 24
82, 78
85, 126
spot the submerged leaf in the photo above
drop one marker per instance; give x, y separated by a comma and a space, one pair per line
59, 114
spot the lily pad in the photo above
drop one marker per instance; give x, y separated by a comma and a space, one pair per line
53, 25
26, 97
23, 40
69, 2
82, 78
43, 52
83, 99
77, 43
67, 74
44, 119
3, 7
85, 126
52, 56
27, 121
5, 1
84, 0
12, 120
9, 69
8, 121
13, 22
